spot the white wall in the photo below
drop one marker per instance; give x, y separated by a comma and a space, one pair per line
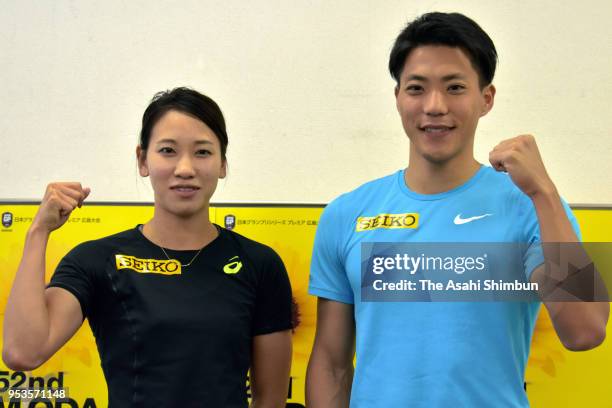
303, 84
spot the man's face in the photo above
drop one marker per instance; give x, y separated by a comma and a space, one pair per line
440, 102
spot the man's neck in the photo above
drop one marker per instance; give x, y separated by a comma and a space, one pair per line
425, 177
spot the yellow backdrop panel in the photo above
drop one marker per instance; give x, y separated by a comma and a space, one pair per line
555, 377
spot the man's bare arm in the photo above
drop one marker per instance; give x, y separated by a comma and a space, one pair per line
579, 325
330, 369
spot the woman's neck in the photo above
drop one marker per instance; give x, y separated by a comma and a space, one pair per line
178, 233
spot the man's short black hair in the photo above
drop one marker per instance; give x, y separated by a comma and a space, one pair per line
449, 29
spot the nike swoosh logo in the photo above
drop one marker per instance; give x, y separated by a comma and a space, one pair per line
233, 267
458, 220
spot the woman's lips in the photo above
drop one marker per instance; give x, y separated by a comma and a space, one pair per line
185, 191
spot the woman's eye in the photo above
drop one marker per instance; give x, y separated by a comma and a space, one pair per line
166, 150
203, 152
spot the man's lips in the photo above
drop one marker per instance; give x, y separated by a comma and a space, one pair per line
436, 129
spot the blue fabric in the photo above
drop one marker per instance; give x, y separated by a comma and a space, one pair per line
432, 354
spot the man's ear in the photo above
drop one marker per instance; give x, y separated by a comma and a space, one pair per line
141, 156
396, 91
488, 94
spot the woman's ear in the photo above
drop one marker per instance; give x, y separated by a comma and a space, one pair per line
223, 172
141, 156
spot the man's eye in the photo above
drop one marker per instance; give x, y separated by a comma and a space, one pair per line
456, 88
412, 89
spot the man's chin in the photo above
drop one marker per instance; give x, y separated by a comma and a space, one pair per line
438, 158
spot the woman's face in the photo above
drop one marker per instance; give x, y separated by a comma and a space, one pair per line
184, 163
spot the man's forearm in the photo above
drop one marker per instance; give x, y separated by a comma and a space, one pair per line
328, 387
580, 325
554, 224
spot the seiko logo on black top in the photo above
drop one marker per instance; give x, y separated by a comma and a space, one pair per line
390, 221
161, 266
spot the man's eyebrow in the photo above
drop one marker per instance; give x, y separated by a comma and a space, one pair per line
415, 77
445, 78
452, 77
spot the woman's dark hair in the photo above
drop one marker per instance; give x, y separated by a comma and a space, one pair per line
187, 101
450, 29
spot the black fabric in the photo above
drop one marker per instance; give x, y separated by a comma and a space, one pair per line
183, 339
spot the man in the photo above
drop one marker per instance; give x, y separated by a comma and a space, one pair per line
439, 354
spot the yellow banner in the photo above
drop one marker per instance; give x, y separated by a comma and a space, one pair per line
555, 377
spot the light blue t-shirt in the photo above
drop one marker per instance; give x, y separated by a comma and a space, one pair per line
431, 354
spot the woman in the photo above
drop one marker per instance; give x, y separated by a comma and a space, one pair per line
180, 307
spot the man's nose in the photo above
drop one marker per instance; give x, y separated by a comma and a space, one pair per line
435, 104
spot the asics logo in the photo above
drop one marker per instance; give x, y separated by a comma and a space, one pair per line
233, 266
458, 220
